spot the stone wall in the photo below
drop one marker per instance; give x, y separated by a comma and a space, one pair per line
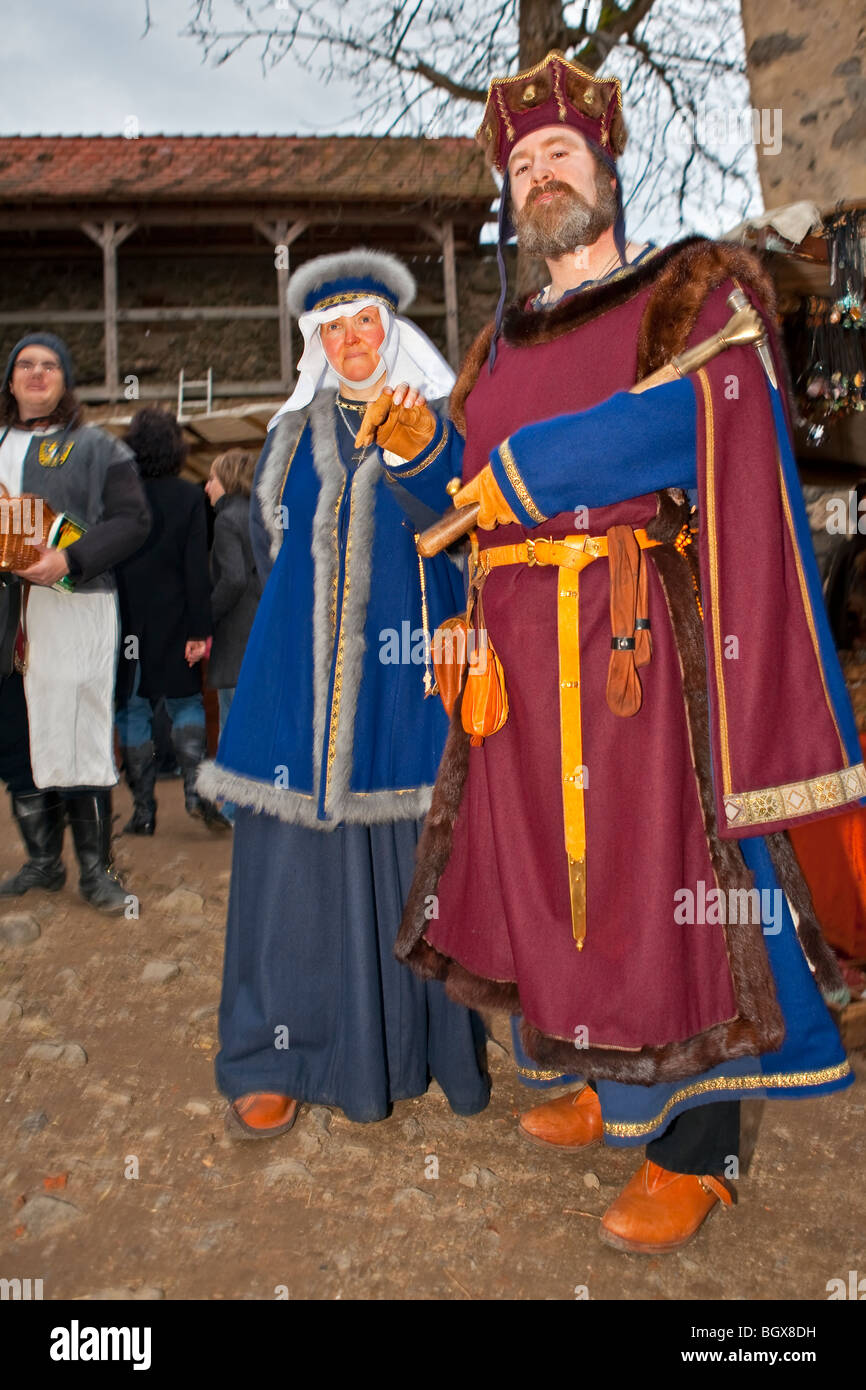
239, 350
807, 58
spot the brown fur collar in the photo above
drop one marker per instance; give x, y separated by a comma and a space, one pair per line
682, 275
681, 290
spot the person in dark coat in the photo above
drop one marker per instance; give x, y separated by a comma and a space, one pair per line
57, 681
235, 584
165, 622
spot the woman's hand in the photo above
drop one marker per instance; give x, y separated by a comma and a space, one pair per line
399, 421
48, 570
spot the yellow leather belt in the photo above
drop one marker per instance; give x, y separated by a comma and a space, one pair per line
571, 554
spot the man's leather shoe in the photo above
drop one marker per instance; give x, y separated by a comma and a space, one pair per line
261, 1115
569, 1122
659, 1211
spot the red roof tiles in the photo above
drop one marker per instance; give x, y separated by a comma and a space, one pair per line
166, 168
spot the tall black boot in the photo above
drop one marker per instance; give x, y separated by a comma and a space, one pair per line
140, 766
89, 816
41, 819
190, 745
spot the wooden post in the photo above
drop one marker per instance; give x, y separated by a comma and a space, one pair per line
109, 236
444, 238
281, 234
452, 328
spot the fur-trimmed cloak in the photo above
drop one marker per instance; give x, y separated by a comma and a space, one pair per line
650, 999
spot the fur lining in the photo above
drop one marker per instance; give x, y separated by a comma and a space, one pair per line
286, 436
469, 373
681, 290
434, 851
332, 480
358, 262
828, 976
370, 808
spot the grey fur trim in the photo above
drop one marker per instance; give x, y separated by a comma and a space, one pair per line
359, 261
359, 551
370, 808
332, 477
286, 436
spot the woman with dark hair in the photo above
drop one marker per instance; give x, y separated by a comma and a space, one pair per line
58, 624
235, 582
166, 619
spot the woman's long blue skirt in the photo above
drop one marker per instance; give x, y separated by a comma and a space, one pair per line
314, 1005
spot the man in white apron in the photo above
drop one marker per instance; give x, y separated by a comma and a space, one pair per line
59, 644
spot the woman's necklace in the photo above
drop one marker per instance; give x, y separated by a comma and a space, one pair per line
360, 408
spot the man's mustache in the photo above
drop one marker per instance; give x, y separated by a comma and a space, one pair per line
552, 186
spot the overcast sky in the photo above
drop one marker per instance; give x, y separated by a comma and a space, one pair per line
80, 67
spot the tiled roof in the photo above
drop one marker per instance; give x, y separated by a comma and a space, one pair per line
175, 168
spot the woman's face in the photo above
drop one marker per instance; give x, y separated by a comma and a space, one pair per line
214, 488
351, 343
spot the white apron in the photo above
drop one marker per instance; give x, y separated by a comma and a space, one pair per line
69, 685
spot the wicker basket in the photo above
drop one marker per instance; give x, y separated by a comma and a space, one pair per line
24, 524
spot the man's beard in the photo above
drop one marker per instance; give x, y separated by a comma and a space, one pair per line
567, 222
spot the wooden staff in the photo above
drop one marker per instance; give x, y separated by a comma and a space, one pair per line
743, 329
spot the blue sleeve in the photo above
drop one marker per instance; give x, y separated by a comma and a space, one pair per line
259, 538
427, 475
625, 447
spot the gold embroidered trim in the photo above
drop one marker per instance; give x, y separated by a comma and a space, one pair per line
796, 798
804, 593
338, 673
517, 482
540, 1075
399, 474
785, 1080
336, 580
347, 299
498, 82
713, 543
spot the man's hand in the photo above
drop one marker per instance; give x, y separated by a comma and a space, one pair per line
48, 570
195, 649
399, 421
484, 489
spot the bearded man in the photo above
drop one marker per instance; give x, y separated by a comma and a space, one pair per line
613, 863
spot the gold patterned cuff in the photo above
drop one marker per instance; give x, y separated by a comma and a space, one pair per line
520, 489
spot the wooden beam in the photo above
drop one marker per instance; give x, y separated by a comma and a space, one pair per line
281, 234
110, 235
444, 237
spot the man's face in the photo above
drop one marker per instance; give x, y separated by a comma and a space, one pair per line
37, 381
562, 198
351, 343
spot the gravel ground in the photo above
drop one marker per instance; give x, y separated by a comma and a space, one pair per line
117, 1180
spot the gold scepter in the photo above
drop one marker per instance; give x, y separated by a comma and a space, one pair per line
743, 329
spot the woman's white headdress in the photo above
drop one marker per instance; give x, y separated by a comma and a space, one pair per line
330, 286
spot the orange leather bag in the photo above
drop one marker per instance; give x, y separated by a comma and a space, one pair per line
484, 709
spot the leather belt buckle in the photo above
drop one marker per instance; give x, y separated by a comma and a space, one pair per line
531, 557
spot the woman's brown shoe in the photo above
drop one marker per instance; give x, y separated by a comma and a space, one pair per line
572, 1121
261, 1115
659, 1211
